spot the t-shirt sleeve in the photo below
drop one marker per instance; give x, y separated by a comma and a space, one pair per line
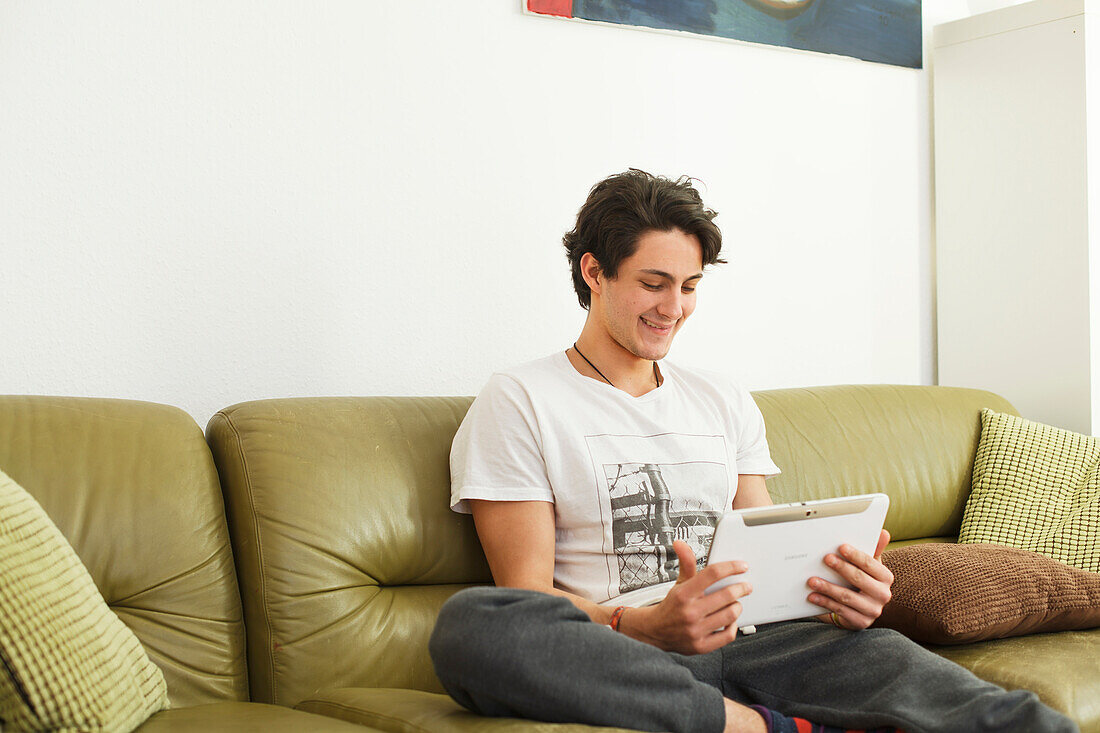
753, 455
497, 453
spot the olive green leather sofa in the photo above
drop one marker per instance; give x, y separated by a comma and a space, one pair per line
133, 488
329, 549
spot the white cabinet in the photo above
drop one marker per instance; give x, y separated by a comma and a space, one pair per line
1017, 267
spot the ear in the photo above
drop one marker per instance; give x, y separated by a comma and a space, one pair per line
590, 271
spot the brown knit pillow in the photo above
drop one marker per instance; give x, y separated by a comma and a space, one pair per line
955, 594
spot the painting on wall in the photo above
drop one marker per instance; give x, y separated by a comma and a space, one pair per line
885, 31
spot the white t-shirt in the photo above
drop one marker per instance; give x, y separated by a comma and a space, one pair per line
627, 475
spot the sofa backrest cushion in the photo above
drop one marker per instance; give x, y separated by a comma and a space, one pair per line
914, 443
132, 486
345, 545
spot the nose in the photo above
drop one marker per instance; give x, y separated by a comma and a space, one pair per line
672, 306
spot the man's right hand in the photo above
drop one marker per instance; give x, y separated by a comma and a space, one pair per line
688, 621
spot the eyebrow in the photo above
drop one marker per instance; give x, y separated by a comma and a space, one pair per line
668, 276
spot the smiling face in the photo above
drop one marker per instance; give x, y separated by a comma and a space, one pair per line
645, 304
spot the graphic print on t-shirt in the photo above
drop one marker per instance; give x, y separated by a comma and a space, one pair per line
657, 489
646, 517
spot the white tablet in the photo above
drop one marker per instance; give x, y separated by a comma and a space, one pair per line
785, 545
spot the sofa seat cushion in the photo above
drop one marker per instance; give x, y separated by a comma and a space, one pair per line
244, 717
415, 711
1063, 668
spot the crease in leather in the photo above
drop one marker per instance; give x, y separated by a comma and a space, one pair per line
384, 644
269, 657
139, 611
124, 601
340, 589
290, 538
188, 637
789, 424
162, 656
370, 715
338, 620
845, 426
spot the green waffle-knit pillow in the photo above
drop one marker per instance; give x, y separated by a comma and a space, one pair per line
66, 660
1036, 487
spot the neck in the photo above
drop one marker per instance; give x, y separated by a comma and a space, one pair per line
611, 362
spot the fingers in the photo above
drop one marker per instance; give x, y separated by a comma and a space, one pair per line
883, 540
715, 630
724, 598
859, 566
714, 572
851, 618
855, 576
858, 607
687, 560
844, 601
720, 608
710, 575
694, 622
718, 639
693, 592
867, 587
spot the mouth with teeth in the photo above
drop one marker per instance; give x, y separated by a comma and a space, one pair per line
656, 327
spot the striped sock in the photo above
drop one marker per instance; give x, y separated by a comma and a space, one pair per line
779, 723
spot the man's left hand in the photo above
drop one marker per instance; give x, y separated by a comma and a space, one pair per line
858, 608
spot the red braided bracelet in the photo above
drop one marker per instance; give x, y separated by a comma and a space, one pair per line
616, 616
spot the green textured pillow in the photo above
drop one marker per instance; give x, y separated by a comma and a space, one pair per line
66, 660
1036, 487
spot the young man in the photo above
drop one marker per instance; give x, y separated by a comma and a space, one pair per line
602, 469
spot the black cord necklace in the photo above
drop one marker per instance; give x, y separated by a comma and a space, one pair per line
656, 380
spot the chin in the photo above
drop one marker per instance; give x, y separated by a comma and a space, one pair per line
652, 353
659, 350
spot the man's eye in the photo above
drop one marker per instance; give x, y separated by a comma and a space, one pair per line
689, 290
650, 286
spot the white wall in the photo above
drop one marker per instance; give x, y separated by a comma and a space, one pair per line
1013, 243
208, 202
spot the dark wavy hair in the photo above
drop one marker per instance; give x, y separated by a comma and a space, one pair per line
622, 207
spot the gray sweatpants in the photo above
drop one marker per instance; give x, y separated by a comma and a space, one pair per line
507, 652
